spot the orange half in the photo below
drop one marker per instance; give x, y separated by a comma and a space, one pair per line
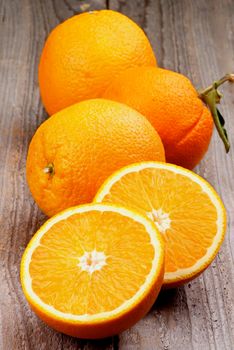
184, 207
94, 270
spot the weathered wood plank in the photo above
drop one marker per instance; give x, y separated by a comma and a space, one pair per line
192, 37
196, 39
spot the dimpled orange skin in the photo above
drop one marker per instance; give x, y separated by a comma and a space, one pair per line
171, 104
83, 54
86, 143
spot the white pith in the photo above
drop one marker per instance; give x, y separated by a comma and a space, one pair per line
179, 274
92, 261
35, 242
160, 218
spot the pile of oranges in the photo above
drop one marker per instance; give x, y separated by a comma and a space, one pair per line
117, 121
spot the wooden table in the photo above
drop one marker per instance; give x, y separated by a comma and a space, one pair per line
195, 38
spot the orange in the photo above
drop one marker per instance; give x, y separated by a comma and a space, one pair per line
93, 271
171, 104
184, 207
83, 54
75, 150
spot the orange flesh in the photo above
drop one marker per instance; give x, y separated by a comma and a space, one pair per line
192, 214
60, 282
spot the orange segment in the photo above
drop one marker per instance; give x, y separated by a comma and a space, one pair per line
98, 267
184, 207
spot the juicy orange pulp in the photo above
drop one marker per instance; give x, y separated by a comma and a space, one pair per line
184, 207
94, 270
56, 263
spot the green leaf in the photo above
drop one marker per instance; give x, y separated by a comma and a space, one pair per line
221, 119
222, 122
211, 96
219, 123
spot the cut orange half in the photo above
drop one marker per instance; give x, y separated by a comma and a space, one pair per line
184, 207
93, 271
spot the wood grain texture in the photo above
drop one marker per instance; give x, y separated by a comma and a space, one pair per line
195, 38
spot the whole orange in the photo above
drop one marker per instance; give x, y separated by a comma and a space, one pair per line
75, 150
171, 104
84, 53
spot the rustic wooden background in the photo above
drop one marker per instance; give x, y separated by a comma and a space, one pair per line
195, 38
